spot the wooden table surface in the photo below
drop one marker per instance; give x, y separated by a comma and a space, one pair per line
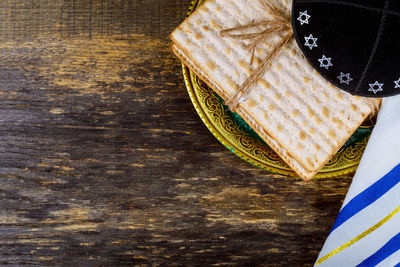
104, 161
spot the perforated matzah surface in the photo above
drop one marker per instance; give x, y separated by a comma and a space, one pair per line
304, 118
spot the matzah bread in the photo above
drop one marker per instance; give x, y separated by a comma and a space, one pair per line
303, 117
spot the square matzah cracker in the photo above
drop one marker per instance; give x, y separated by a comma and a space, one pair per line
302, 116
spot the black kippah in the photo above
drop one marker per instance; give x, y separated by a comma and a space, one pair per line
355, 44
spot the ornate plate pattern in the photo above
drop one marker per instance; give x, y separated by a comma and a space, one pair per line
240, 139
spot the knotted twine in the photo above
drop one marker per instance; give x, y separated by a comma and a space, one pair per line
277, 25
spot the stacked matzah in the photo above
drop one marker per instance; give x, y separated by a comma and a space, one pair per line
303, 117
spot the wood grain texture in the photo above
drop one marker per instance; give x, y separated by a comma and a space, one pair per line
104, 162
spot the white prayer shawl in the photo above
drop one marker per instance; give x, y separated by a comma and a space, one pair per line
367, 230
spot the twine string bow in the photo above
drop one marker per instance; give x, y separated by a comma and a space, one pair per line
277, 25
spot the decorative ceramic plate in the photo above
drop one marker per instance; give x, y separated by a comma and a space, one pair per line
240, 139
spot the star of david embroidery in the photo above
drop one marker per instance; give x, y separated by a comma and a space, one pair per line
344, 78
375, 87
304, 17
325, 62
397, 84
313, 42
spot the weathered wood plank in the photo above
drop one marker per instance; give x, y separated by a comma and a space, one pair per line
103, 160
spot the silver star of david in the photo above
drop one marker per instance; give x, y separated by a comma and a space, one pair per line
397, 84
375, 87
304, 17
325, 62
313, 43
344, 78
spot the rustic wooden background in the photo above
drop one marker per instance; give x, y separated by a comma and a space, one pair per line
104, 161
